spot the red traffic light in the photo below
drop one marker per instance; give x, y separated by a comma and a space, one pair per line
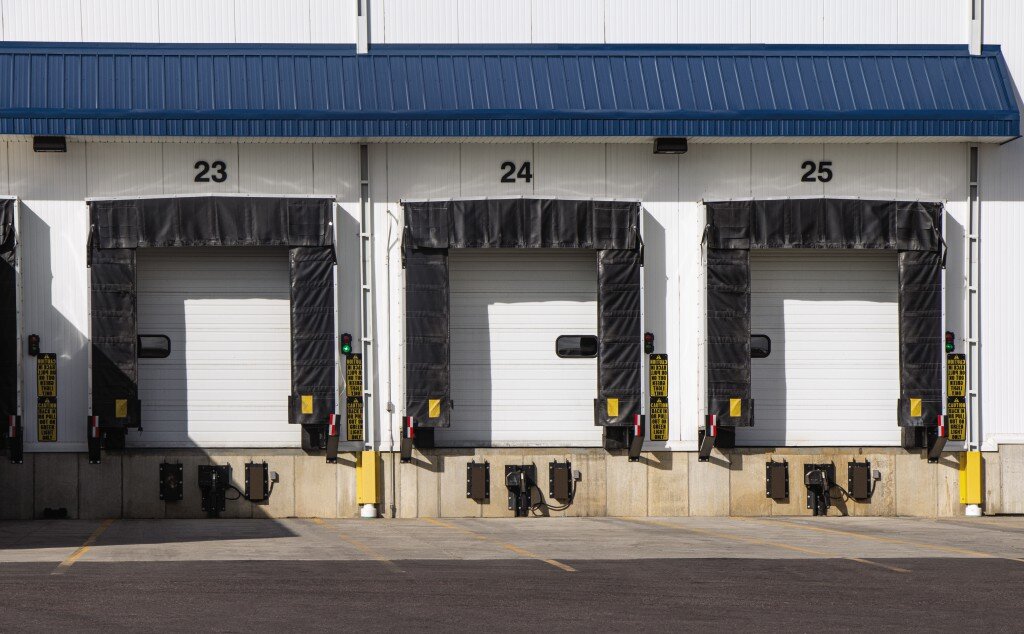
346, 338
648, 342
346, 344
950, 341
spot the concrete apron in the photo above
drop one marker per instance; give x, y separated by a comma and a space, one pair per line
668, 484
883, 544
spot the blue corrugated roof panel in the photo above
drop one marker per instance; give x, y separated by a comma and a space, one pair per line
468, 91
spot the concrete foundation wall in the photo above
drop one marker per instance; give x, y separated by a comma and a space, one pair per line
434, 484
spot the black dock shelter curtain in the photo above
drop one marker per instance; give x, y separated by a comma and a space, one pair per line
119, 227
8, 311
913, 229
611, 228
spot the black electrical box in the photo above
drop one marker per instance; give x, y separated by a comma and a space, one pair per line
257, 481
171, 482
776, 480
478, 481
859, 482
560, 480
213, 482
819, 480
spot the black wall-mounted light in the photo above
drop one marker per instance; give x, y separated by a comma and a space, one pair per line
49, 144
669, 145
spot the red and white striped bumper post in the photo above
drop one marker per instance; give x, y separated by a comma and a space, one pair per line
95, 438
636, 438
707, 440
937, 442
333, 438
408, 434
15, 440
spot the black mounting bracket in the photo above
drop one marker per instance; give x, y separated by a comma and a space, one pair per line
408, 435
706, 436
478, 481
776, 480
103, 437
213, 483
936, 440
560, 480
858, 479
520, 481
257, 481
15, 440
171, 481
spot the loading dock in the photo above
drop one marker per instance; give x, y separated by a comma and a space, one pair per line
119, 227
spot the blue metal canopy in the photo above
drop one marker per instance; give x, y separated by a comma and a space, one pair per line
507, 90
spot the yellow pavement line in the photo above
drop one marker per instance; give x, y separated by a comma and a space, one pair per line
764, 542
893, 540
361, 547
522, 552
84, 548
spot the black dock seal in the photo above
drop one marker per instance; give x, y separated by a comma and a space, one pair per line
610, 228
304, 225
912, 229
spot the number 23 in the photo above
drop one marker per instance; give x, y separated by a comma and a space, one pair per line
219, 175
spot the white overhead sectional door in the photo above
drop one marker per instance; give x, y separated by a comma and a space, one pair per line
227, 380
833, 374
509, 387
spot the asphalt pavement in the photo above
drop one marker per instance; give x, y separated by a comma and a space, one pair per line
642, 574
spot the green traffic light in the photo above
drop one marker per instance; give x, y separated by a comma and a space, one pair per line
346, 348
949, 346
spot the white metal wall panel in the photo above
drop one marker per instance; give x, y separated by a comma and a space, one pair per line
861, 22
197, 21
787, 21
642, 21
569, 170
332, 21
420, 21
932, 172
54, 230
867, 171
180, 167
226, 383
120, 21
124, 169
422, 171
777, 170
1001, 260
42, 20
719, 22
832, 378
568, 21
481, 167
508, 385
275, 169
272, 21
934, 21
489, 21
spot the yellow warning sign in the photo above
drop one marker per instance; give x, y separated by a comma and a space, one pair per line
46, 375
915, 407
354, 419
658, 375
307, 403
612, 407
659, 418
46, 419
956, 375
121, 408
956, 418
735, 407
433, 408
354, 375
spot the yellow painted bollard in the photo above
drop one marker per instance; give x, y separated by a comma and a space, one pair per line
368, 477
971, 476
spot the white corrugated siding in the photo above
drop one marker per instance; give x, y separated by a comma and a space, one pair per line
508, 385
1001, 258
227, 381
833, 374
